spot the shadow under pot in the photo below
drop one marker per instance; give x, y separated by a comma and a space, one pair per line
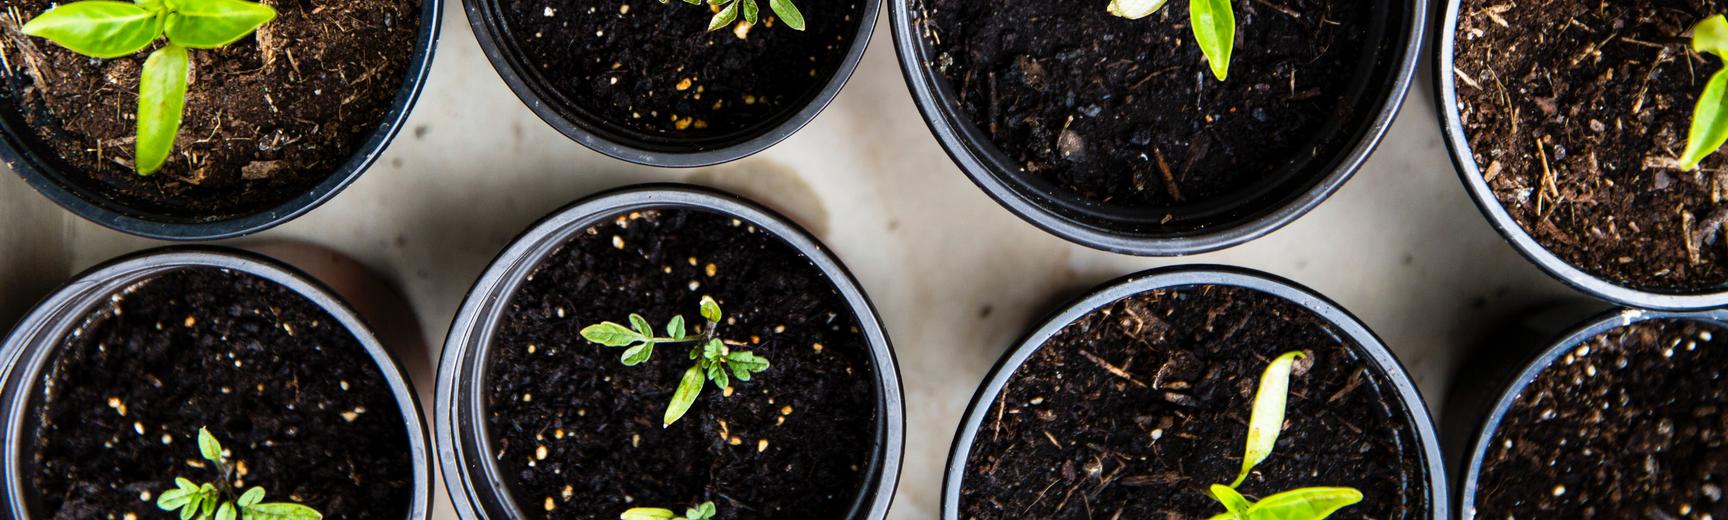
1138, 402
274, 124
1116, 134
1566, 122
1621, 418
651, 83
791, 402
110, 382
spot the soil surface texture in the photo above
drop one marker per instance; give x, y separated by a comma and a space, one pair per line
1577, 112
289, 393
578, 435
266, 119
1127, 112
1630, 424
1135, 409
654, 70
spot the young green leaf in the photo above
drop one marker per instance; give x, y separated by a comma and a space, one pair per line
1135, 9
705, 511
208, 24
688, 389
1267, 419
788, 13
717, 373
638, 354
1214, 23
173, 499
1314, 503
710, 310
251, 497
611, 335
1233, 502
226, 512
642, 326
161, 103
745, 363
207, 505
280, 511
1710, 116
1711, 36
647, 513
208, 447
713, 349
724, 17
675, 328
97, 28
750, 11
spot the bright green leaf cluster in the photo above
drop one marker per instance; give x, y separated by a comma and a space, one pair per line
217, 501
1264, 425
1213, 22
715, 361
729, 10
705, 511
110, 29
1710, 117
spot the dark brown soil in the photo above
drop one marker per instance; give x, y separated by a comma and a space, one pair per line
1577, 112
286, 389
1631, 424
653, 68
1072, 438
794, 442
1128, 113
266, 118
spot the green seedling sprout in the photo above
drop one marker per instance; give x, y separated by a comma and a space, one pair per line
109, 29
1264, 424
715, 361
704, 511
728, 11
218, 501
1710, 117
1213, 22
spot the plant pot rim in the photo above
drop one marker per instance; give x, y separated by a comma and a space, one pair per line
1485, 428
27, 163
27, 349
476, 488
1369, 345
1452, 128
543, 100
953, 130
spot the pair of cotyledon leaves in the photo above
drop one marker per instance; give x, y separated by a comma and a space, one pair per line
1213, 22
205, 501
109, 29
731, 9
705, 511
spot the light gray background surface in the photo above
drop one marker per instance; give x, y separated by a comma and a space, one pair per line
955, 276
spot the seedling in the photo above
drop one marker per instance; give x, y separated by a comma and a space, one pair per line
110, 29
1213, 22
728, 10
218, 501
1264, 424
715, 360
1710, 117
704, 511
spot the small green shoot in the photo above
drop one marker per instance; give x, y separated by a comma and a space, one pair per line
727, 11
109, 29
704, 511
715, 360
1710, 117
1264, 424
1213, 23
218, 501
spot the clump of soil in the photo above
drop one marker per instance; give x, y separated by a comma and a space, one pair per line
654, 68
285, 388
578, 435
266, 118
1577, 112
1630, 424
1135, 409
1127, 112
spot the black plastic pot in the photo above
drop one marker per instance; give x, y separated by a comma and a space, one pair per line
1489, 382
1337, 152
29, 347
1186, 276
1452, 126
478, 490
626, 144
43, 169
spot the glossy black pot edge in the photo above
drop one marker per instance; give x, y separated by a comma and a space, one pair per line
976, 155
483, 16
476, 488
28, 347
30, 164
1452, 127
1192, 275
1473, 416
